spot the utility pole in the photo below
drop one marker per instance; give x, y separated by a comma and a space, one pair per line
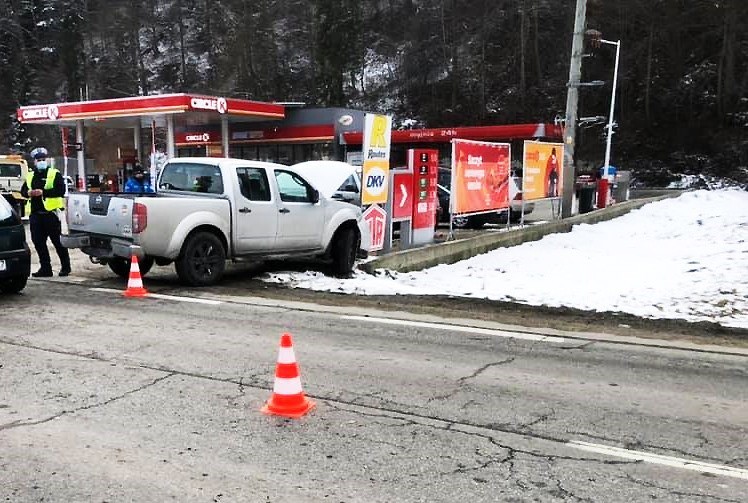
572, 101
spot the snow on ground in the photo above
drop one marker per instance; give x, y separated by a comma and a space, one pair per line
685, 257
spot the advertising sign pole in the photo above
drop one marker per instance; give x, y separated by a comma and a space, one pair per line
64, 132
375, 174
152, 167
81, 156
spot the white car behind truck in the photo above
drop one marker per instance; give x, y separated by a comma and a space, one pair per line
208, 210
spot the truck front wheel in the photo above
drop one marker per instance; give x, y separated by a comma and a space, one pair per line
344, 250
202, 261
121, 266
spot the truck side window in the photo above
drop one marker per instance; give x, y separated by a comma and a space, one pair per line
253, 183
292, 188
192, 177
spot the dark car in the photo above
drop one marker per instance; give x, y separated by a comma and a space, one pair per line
444, 182
15, 257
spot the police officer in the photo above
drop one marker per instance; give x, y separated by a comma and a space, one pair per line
44, 189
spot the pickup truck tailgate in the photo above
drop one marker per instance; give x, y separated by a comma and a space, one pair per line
105, 214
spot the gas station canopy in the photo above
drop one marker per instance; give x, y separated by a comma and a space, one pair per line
185, 109
165, 110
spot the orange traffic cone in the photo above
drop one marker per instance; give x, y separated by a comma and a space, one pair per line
288, 399
135, 282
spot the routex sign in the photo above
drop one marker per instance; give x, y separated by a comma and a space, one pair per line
376, 159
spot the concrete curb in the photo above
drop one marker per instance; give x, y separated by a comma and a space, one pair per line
453, 251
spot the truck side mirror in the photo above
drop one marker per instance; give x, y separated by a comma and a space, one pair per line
314, 195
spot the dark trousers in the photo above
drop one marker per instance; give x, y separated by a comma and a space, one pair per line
43, 226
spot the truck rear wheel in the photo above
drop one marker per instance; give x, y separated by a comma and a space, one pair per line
202, 261
121, 266
344, 250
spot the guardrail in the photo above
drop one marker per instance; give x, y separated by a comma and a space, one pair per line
450, 252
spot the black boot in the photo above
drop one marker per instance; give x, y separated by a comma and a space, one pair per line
65, 271
42, 273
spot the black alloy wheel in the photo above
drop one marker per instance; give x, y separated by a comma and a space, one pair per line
203, 260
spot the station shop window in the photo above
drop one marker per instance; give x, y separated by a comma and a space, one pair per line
285, 154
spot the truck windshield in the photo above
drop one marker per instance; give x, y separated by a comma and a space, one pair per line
10, 170
192, 177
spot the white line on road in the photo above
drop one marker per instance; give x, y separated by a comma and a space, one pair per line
166, 297
458, 328
684, 464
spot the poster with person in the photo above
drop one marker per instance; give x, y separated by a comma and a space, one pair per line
542, 165
480, 176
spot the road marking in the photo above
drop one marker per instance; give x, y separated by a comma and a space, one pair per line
685, 464
166, 297
458, 328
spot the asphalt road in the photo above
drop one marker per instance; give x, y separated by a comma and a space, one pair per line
158, 399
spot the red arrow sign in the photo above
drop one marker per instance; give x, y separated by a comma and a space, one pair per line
402, 200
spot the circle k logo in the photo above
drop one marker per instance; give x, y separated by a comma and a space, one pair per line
219, 104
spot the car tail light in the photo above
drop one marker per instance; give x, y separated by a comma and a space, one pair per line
139, 218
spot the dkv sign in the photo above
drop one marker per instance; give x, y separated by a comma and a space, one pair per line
375, 186
376, 219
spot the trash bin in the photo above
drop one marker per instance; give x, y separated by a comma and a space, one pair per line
621, 186
585, 188
587, 197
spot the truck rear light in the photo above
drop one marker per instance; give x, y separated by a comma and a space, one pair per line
139, 218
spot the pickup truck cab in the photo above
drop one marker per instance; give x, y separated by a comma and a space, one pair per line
208, 210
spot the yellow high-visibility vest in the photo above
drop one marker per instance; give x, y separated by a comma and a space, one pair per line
50, 203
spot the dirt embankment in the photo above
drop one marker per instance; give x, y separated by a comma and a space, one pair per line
512, 313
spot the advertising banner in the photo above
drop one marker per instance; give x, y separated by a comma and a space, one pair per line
480, 176
541, 170
376, 159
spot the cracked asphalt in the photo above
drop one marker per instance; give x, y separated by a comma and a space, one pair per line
113, 399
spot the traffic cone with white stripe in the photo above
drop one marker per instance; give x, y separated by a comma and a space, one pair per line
288, 399
135, 281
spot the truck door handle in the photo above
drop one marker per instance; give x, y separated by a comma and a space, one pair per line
284, 210
245, 210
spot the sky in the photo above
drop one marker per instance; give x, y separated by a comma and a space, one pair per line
683, 258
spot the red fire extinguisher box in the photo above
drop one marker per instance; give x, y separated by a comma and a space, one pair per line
602, 192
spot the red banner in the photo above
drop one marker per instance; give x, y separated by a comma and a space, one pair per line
480, 176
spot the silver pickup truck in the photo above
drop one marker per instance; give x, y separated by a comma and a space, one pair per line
208, 210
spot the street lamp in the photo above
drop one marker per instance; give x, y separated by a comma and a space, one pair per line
606, 168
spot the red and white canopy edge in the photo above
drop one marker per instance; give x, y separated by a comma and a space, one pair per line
162, 110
